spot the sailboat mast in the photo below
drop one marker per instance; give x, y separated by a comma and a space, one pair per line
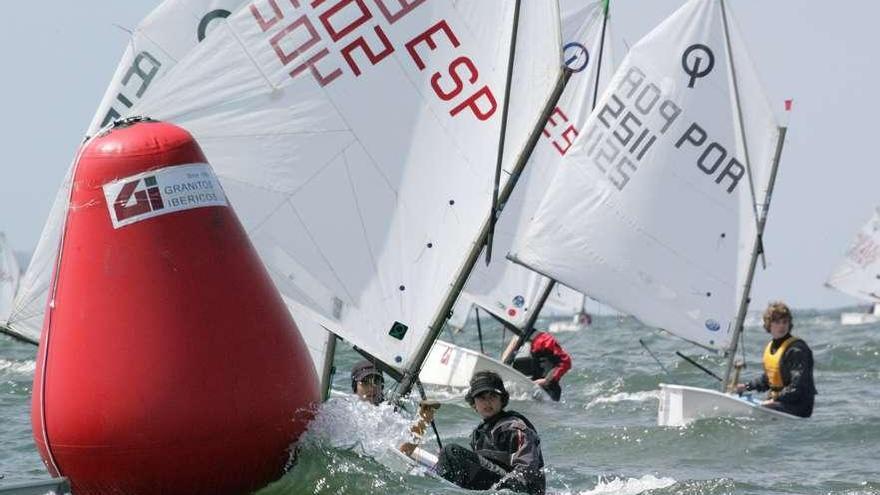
529, 328
412, 372
756, 251
739, 114
606, 6
497, 206
760, 219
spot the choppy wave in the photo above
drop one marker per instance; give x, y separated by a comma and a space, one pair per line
625, 397
17, 367
348, 423
601, 439
628, 486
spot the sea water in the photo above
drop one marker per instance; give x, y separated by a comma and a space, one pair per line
601, 439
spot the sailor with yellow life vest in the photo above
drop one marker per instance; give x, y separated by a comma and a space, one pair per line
788, 366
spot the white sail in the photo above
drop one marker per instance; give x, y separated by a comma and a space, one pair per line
858, 274
162, 38
29, 305
169, 32
511, 292
652, 211
357, 144
9, 275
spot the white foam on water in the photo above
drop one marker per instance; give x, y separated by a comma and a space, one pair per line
18, 367
345, 422
642, 396
446, 395
629, 486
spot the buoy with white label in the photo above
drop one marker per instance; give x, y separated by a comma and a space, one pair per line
168, 362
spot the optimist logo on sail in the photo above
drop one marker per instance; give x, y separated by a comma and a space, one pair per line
163, 191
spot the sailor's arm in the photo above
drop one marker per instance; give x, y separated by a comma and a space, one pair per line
798, 363
426, 416
525, 459
760, 384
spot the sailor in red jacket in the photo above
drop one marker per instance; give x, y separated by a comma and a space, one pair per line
546, 364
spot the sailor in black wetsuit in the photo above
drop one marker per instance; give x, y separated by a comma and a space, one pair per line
788, 366
505, 448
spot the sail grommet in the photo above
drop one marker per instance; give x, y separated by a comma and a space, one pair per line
402, 288
451, 202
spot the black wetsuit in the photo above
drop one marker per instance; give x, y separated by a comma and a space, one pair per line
796, 367
540, 366
506, 453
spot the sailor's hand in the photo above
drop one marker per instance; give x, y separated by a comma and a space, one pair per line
740, 388
769, 402
407, 448
427, 408
427, 414
541, 382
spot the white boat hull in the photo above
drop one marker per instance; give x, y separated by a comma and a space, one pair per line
861, 318
680, 405
566, 326
451, 366
421, 463
579, 322
858, 318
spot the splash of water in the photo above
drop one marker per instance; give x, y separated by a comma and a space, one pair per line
642, 396
18, 367
629, 486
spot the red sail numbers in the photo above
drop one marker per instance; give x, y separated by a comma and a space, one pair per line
359, 35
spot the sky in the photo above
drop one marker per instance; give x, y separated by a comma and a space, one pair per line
58, 58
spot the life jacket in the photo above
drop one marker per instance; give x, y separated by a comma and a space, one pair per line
773, 365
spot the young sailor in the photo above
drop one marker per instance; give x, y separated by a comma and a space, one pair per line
367, 382
546, 363
788, 366
505, 448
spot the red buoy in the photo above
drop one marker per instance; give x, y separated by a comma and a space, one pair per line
168, 362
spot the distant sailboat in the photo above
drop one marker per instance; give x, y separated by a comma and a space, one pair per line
858, 274
659, 207
580, 319
9, 276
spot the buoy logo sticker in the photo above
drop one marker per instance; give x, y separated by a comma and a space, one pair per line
159, 192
